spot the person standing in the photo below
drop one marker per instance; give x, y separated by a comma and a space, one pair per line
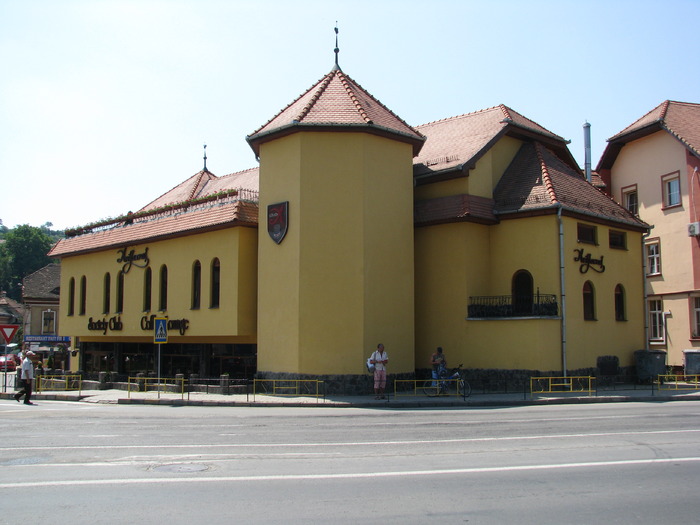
380, 359
439, 363
27, 378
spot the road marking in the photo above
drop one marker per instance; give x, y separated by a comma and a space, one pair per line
296, 477
348, 444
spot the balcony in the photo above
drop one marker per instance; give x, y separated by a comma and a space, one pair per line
503, 306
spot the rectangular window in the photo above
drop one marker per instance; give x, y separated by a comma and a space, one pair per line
656, 321
618, 239
630, 199
696, 317
587, 233
653, 257
671, 189
48, 323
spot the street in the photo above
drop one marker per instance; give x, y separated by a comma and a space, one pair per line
79, 463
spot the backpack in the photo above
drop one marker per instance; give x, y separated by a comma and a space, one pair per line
370, 365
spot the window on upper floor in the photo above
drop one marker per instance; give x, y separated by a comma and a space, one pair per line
147, 289
163, 295
617, 239
653, 249
71, 296
588, 301
106, 293
671, 189
120, 292
657, 332
630, 199
215, 296
587, 233
196, 285
48, 322
696, 317
620, 313
83, 295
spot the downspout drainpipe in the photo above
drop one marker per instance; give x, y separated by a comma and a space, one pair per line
644, 289
562, 285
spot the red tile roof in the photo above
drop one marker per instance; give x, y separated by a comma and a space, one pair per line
223, 213
336, 102
454, 208
680, 119
455, 144
538, 179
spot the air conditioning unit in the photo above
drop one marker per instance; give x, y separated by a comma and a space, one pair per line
694, 229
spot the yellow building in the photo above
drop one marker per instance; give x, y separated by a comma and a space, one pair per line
476, 233
652, 167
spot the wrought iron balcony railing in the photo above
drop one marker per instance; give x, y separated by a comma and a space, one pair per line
536, 305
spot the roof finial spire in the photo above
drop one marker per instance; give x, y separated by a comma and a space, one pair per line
205, 157
336, 50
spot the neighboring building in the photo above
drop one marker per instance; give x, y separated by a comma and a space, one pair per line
41, 292
477, 233
652, 167
11, 313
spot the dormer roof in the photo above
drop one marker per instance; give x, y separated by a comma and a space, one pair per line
336, 103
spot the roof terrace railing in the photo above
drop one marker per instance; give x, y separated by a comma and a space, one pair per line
497, 306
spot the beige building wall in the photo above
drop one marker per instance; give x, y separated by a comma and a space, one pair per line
644, 163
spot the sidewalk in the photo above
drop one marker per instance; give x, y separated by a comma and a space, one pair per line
623, 393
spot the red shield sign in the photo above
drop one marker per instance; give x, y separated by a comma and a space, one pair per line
277, 220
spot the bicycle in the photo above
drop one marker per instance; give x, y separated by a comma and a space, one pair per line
448, 383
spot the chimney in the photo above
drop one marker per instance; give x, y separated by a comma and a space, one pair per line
587, 148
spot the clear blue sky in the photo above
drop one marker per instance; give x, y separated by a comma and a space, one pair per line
106, 104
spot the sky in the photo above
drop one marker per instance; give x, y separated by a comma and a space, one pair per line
106, 104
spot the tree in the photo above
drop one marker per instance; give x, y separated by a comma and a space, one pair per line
23, 252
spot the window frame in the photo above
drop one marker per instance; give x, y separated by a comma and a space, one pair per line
620, 303
196, 302
657, 324
621, 235
588, 230
83, 295
71, 297
147, 289
656, 241
51, 316
695, 317
106, 293
626, 192
163, 289
666, 180
215, 283
588, 296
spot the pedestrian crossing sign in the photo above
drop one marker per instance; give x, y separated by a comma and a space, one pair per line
160, 332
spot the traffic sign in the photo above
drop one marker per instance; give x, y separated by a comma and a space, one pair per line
160, 332
8, 331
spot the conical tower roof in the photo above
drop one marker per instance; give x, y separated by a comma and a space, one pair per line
336, 103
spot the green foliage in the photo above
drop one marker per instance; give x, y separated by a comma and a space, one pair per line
23, 251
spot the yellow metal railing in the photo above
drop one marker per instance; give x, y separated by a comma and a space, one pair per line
551, 385
428, 387
59, 382
679, 382
160, 385
289, 387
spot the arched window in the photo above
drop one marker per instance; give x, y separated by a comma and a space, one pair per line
215, 283
620, 313
163, 296
120, 292
522, 292
71, 296
588, 301
107, 293
147, 287
83, 295
196, 285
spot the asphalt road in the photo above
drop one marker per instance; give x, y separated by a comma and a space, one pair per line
77, 463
